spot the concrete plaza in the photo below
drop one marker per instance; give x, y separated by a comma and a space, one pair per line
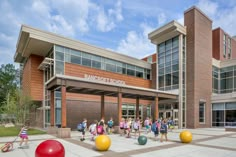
207, 142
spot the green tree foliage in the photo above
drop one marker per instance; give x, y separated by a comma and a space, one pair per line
9, 81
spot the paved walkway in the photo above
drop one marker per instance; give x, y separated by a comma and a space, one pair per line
208, 142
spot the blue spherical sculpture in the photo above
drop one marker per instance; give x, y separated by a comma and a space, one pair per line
142, 140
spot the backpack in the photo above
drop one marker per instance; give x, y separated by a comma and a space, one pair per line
122, 125
146, 122
154, 127
80, 127
163, 128
110, 123
125, 125
135, 125
100, 129
92, 128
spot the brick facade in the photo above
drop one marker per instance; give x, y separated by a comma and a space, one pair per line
199, 66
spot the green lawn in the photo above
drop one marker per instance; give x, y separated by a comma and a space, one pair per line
14, 131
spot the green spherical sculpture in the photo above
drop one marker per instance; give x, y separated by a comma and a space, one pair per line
186, 136
142, 140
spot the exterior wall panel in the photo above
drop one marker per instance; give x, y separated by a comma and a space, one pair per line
79, 71
36, 82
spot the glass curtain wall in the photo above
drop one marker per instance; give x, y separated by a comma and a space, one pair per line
63, 54
168, 64
224, 80
171, 70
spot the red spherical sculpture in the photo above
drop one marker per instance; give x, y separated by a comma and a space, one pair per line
50, 148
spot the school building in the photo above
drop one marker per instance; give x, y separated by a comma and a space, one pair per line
191, 77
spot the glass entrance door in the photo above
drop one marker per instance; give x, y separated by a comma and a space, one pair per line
175, 117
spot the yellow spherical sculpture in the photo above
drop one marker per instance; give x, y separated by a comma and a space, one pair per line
102, 143
186, 136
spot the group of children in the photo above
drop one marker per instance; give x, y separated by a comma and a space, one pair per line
96, 128
128, 125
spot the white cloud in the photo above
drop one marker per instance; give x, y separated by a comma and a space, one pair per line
137, 44
161, 18
61, 26
208, 7
223, 17
107, 21
104, 24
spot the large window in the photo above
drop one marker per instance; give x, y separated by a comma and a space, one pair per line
202, 112
224, 79
168, 64
129, 111
225, 46
215, 80
224, 114
229, 48
83, 58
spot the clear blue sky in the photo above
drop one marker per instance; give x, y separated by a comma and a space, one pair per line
121, 25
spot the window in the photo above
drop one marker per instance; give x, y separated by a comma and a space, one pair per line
229, 48
149, 59
202, 112
225, 46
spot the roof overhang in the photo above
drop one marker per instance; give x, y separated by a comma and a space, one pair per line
166, 32
84, 86
39, 42
30, 42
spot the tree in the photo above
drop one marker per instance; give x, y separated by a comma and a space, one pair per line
9, 81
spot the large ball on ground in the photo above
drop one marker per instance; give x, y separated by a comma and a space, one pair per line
186, 136
142, 140
50, 148
102, 142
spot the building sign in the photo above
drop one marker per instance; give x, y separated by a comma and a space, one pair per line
103, 79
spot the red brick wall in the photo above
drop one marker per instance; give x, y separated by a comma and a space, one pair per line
154, 58
199, 66
216, 46
233, 44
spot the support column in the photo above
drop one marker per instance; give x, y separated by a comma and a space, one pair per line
63, 132
137, 107
63, 106
52, 109
102, 106
119, 107
52, 129
156, 116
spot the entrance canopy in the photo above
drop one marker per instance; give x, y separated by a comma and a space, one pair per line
84, 86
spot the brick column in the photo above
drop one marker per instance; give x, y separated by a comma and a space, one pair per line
63, 106
156, 116
52, 109
102, 107
137, 107
119, 107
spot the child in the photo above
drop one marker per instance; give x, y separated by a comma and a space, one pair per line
110, 125
147, 125
155, 129
163, 130
136, 126
24, 136
84, 124
100, 128
93, 130
121, 125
